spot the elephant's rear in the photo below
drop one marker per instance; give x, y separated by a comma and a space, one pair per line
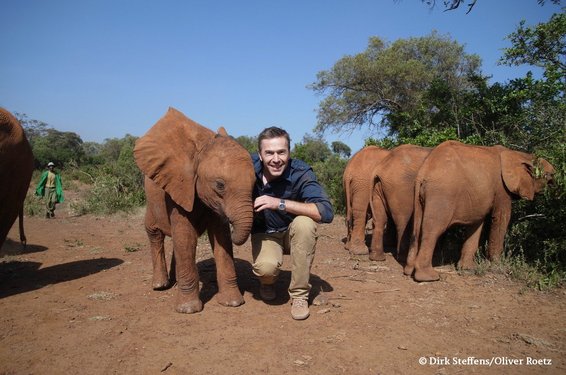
356, 179
16, 168
425, 196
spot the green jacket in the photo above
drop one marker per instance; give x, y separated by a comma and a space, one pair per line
40, 190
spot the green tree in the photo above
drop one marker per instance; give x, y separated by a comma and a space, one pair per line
381, 86
92, 151
59, 147
249, 143
537, 233
111, 148
33, 128
311, 150
543, 45
328, 166
342, 149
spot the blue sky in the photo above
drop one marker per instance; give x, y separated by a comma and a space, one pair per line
104, 69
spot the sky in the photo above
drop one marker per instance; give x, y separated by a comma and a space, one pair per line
107, 68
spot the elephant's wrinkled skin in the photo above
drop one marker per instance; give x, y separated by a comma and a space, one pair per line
356, 181
16, 168
464, 184
392, 193
196, 180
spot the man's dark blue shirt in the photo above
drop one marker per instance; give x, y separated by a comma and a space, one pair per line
297, 183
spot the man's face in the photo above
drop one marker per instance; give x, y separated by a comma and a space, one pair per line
274, 154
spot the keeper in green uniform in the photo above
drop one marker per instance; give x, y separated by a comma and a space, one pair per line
50, 186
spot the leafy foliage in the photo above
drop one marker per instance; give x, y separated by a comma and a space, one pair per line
372, 87
328, 166
329, 173
341, 149
311, 150
117, 184
543, 45
49, 144
249, 143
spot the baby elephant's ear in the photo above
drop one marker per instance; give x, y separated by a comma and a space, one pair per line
516, 171
221, 131
166, 155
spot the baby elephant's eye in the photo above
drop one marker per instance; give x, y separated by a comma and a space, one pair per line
220, 186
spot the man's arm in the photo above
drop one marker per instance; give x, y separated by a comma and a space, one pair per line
293, 207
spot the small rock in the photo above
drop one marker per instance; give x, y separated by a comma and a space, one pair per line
320, 300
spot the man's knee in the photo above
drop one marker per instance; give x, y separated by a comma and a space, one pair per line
303, 226
266, 271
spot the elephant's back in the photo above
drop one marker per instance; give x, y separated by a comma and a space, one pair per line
363, 161
463, 176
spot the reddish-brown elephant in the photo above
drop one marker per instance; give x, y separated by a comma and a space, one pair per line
392, 189
464, 184
16, 168
196, 180
356, 181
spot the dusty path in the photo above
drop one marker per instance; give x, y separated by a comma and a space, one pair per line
79, 301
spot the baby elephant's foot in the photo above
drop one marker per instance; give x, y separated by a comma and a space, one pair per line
187, 305
230, 298
161, 284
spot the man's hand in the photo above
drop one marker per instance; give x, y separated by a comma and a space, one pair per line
266, 202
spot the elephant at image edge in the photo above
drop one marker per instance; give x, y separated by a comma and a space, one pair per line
195, 180
16, 168
356, 181
392, 189
464, 184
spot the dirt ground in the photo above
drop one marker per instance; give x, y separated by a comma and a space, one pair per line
78, 300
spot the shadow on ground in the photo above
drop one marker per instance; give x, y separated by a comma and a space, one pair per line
21, 276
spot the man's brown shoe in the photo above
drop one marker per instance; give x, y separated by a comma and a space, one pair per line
300, 309
267, 292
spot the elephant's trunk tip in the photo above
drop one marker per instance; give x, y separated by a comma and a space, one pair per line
239, 236
239, 241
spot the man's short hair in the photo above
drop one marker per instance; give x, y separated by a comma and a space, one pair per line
273, 132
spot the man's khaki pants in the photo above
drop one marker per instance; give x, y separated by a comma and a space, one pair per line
299, 240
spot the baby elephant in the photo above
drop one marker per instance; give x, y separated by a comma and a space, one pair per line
195, 180
464, 184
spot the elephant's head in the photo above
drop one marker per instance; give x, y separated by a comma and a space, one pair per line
523, 174
189, 161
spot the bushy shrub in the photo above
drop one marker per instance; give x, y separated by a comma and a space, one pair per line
33, 205
116, 185
537, 227
109, 194
329, 174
